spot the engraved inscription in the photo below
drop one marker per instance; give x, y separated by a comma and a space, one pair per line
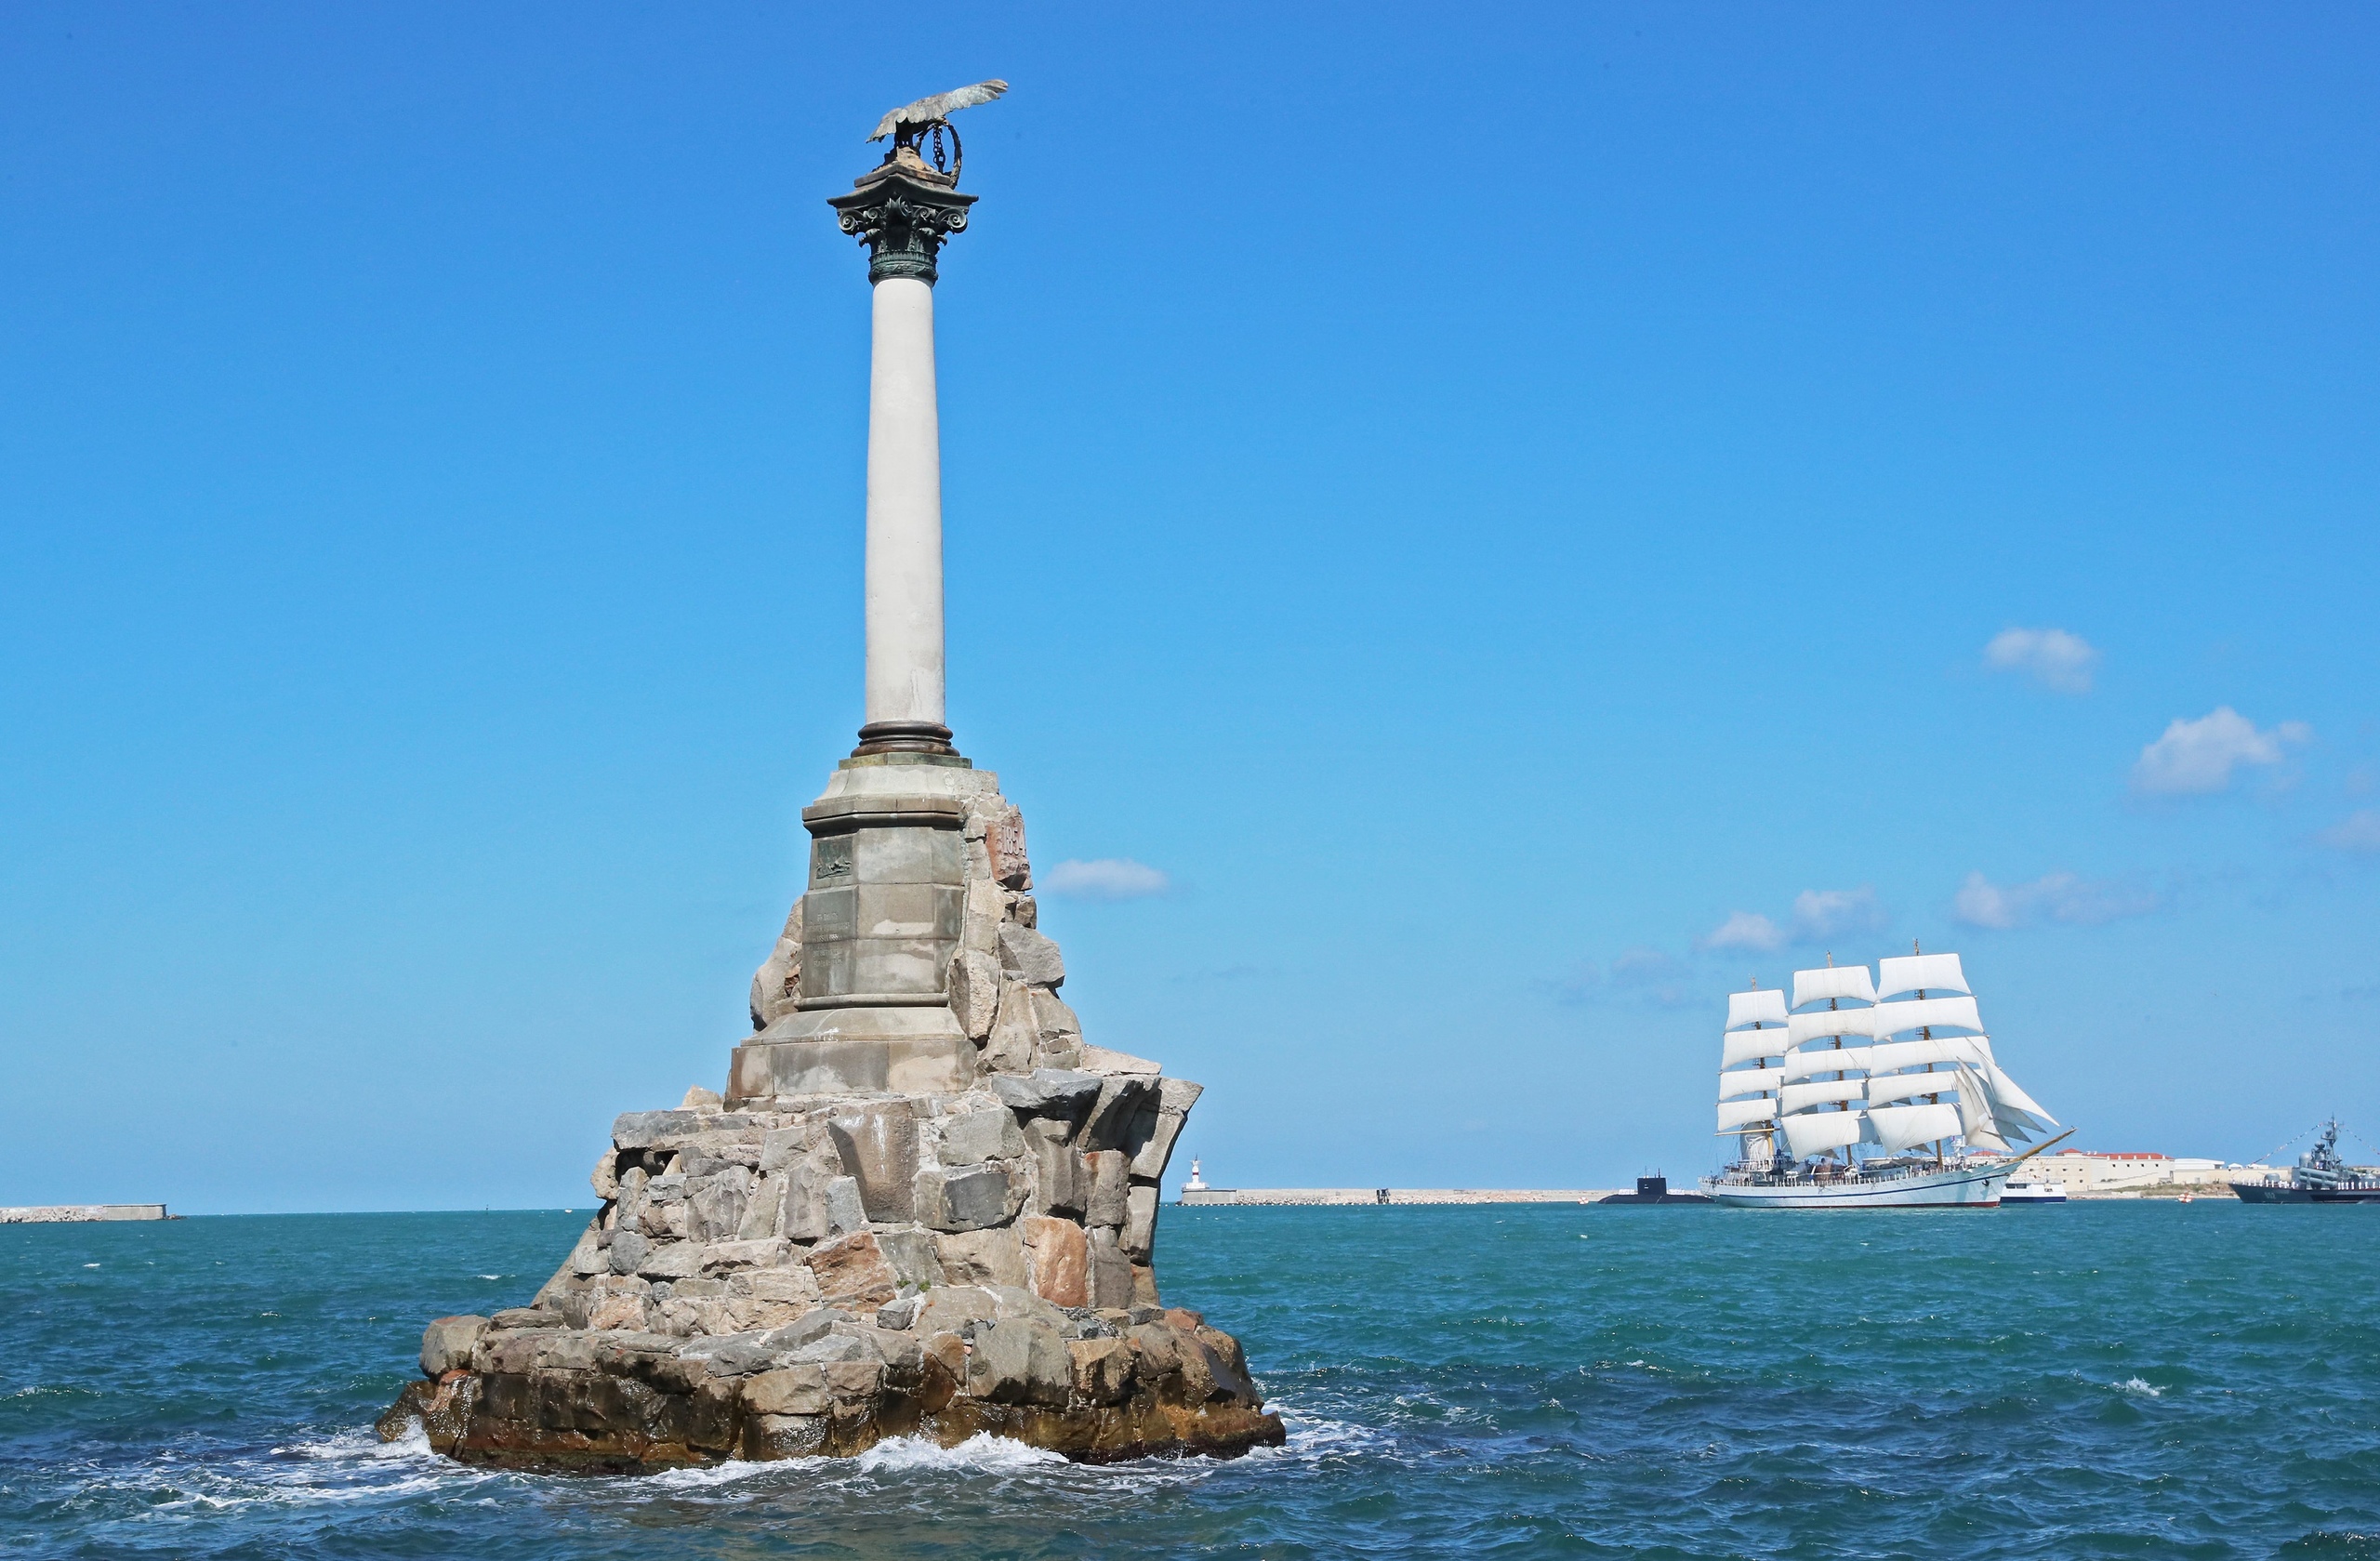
830, 861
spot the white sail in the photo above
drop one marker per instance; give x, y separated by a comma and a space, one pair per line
1750, 1080
1906, 1127
1914, 1013
1735, 1115
2015, 1114
1890, 1054
1751, 1008
1975, 1111
1800, 1097
1901, 1086
1834, 981
1743, 1046
1808, 1027
2003, 1089
1920, 973
1989, 1119
1826, 1059
1815, 1131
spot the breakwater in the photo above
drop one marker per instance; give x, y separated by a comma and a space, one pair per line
1307, 1198
80, 1214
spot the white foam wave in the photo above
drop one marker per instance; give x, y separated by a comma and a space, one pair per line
1315, 1433
2134, 1384
703, 1475
350, 1466
1320, 1436
981, 1453
361, 1444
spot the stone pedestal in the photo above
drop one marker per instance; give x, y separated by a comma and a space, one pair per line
876, 930
926, 1208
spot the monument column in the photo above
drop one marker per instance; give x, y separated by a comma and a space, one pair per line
880, 921
904, 210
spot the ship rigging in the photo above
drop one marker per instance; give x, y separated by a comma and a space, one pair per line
1921, 1088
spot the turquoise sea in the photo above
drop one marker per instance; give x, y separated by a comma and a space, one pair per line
2109, 1380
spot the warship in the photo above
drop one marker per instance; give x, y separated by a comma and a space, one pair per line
2320, 1176
1919, 1115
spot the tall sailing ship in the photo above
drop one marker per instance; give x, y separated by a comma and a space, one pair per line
1868, 1092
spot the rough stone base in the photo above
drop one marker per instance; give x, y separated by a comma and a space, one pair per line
929, 1219
1097, 1388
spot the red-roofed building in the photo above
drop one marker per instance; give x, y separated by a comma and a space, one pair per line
2087, 1171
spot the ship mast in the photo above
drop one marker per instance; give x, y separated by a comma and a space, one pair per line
1850, 1160
1747, 1039
1818, 1033
1925, 1032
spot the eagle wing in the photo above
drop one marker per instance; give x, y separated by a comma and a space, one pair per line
942, 105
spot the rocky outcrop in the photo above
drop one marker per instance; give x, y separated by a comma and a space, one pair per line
1098, 1385
808, 1274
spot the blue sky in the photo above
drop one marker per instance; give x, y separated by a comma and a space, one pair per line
1509, 518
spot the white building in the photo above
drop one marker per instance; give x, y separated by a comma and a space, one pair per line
2085, 1171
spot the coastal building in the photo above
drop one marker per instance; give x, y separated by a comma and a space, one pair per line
2084, 1171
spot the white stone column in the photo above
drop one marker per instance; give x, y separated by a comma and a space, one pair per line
905, 665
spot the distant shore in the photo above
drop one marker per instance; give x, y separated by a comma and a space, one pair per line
1308, 1197
1212, 1198
80, 1214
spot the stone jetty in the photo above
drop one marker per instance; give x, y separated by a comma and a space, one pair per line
924, 1205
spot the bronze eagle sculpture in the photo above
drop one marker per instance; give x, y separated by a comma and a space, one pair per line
903, 122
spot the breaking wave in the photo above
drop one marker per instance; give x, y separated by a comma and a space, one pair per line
979, 1454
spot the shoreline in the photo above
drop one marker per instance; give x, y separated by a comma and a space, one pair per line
1374, 1197
81, 1213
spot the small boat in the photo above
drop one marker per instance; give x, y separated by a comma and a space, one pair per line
1937, 1104
2017, 1192
2320, 1176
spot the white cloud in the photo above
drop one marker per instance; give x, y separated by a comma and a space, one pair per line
2197, 756
2050, 657
1110, 877
1746, 929
1637, 974
2359, 832
1821, 913
1817, 914
1643, 967
1650, 973
2053, 896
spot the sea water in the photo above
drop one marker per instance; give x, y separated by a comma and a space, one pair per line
2096, 1380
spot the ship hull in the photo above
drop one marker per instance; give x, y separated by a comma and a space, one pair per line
2267, 1192
1973, 1187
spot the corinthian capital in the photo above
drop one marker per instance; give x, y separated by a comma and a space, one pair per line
903, 211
